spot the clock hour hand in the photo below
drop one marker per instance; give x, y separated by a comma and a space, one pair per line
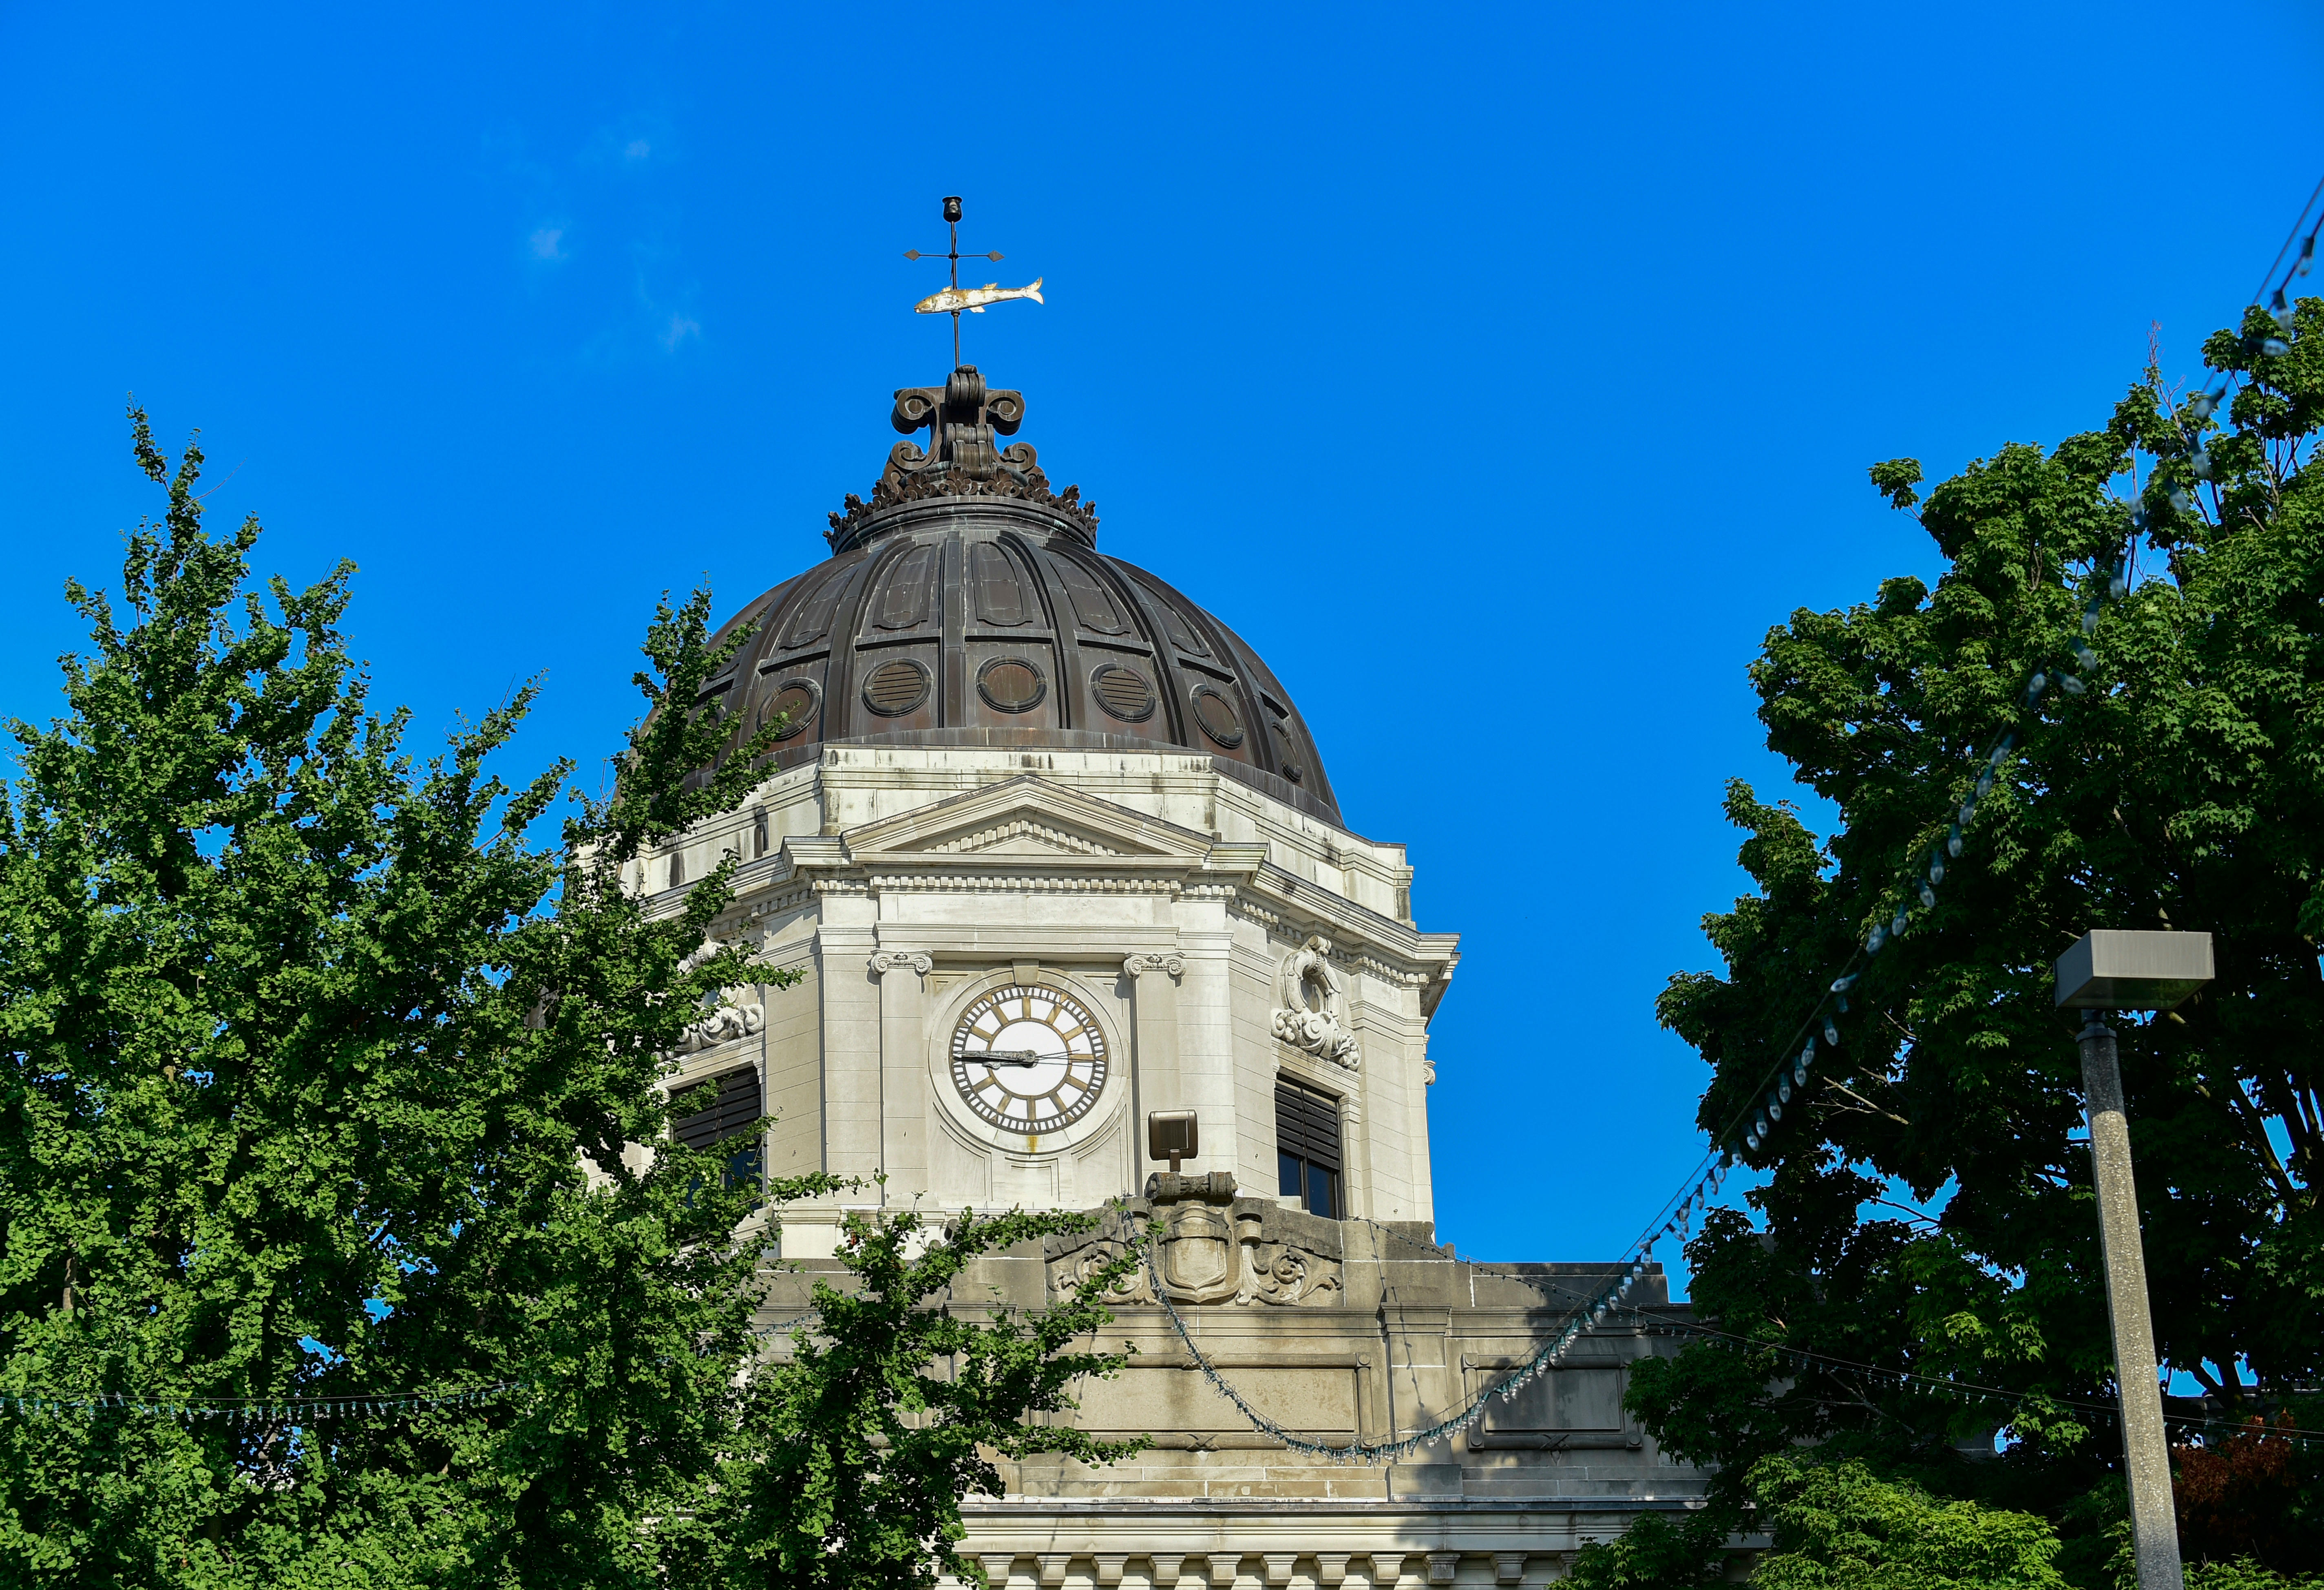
1026, 1057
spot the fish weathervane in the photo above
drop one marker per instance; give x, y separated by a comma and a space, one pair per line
954, 298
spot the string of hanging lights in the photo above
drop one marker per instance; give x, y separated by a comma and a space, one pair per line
292, 1410
1751, 1126
2216, 395
1542, 1359
295, 1411
1644, 1317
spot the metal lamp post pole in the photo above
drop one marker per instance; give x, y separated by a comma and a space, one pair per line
2110, 969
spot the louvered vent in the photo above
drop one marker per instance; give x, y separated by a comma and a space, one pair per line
1123, 693
896, 688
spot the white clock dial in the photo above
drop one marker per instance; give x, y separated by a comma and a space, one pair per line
1028, 1059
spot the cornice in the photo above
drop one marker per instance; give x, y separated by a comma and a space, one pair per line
998, 882
1099, 848
1362, 938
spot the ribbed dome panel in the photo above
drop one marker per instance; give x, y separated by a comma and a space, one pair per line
994, 622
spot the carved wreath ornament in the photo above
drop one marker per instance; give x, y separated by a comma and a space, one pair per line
1310, 1011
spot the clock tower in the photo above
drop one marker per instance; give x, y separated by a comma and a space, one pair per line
1069, 882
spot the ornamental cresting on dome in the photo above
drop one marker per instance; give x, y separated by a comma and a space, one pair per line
966, 604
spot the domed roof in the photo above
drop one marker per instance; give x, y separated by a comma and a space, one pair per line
966, 604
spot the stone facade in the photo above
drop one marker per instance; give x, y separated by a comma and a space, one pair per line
1220, 936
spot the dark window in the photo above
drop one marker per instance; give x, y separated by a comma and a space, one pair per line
676, 869
1307, 1147
731, 1111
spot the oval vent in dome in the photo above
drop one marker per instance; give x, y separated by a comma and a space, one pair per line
794, 702
1287, 754
893, 689
1216, 715
1011, 684
1123, 693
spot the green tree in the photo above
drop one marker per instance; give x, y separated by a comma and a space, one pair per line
318, 1084
1833, 1523
1839, 1524
861, 1446
2165, 768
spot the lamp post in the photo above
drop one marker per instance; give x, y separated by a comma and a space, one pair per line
2113, 969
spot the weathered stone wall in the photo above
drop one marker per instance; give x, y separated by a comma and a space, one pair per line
1342, 1331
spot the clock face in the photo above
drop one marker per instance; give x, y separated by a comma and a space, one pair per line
1028, 1059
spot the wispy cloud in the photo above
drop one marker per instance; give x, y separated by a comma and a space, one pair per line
682, 327
549, 244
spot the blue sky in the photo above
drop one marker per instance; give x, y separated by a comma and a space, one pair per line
1501, 374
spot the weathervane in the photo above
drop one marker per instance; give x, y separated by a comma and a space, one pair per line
954, 299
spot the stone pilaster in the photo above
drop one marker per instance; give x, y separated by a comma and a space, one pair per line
851, 1039
1154, 1001
903, 1072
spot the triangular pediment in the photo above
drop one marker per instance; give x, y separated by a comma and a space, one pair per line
1026, 819
1025, 835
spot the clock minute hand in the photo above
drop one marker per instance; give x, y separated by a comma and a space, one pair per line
1026, 1057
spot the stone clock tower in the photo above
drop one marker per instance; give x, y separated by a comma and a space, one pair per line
1059, 854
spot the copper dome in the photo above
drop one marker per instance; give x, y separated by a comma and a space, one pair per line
967, 605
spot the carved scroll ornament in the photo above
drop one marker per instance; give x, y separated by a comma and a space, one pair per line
722, 1025
1310, 1013
963, 419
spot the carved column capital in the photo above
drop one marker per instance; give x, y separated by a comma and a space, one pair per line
888, 960
1137, 965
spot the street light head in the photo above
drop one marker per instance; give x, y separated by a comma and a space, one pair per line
1172, 1135
2117, 969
